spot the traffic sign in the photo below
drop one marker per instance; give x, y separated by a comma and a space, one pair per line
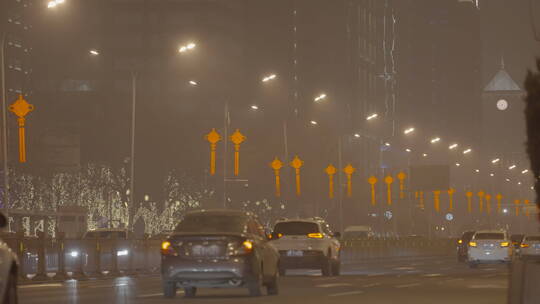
449, 217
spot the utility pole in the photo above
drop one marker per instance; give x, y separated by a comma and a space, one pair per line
340, 166
226, 119
4, 124
132, 178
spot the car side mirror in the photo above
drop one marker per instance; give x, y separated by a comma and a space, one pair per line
3, 221
337, 235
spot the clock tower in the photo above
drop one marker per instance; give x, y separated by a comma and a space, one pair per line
503, 118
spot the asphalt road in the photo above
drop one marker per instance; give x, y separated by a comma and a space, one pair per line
418, 281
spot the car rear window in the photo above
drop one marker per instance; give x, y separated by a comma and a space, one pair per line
296, 228
212, 223
533, 238
489, 236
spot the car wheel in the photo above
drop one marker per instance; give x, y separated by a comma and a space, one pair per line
272, 288
190, 292
255, 285
326, 267
336, 268
11, 290
169, 289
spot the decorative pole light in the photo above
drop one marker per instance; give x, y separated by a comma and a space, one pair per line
276, 164
401, 177
389, 180
435, 140
488, 203
467, 151
499, 202
372, 180
21, 108
481, 195
237, 139
451, 192
349, 170
330, 171
453, 146
517, 203
437, 200
469, 196
372, 116
297, 163
213, 138
408, 131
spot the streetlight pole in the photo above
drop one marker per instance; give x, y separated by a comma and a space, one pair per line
4, 122
226, 130
132, 178
340, 166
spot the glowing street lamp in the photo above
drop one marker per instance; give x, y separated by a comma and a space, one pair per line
511, 167
496, 160
435, 140
356, 135
313, 123
320, 97
424, 155
477, 170
491, 174
193, 82
372, 116
94, 52
269, 77
452, 146
524, 171
458, 164
54, 3
408, 131
387, 144
408, 150
187, 47
467, 151
254, 107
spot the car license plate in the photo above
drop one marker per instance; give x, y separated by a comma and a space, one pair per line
295, 253
205, 251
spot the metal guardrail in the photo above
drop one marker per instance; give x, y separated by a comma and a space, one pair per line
42, 258
358, 250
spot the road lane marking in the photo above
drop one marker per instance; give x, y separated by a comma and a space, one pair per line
151, 295
432, 275
487, 286
490, 275
408, 285
41, 285
371, 285
374, 274
453, 280
349, 293
333, 285
403, 268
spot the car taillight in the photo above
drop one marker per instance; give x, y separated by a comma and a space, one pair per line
315, 235
166, 248
460, 241
524, 245
505, 244
246, 247
472, 244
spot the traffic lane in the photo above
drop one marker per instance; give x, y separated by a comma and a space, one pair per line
389, 281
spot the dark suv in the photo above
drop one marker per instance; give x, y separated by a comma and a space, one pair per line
463, 245
219, 248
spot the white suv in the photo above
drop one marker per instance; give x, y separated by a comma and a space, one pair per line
489, 247
306, 243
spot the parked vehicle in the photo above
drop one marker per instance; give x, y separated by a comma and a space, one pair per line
219, 248
530, 247
357, 232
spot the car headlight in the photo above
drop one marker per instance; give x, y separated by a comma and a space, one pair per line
74, 254
122, 252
